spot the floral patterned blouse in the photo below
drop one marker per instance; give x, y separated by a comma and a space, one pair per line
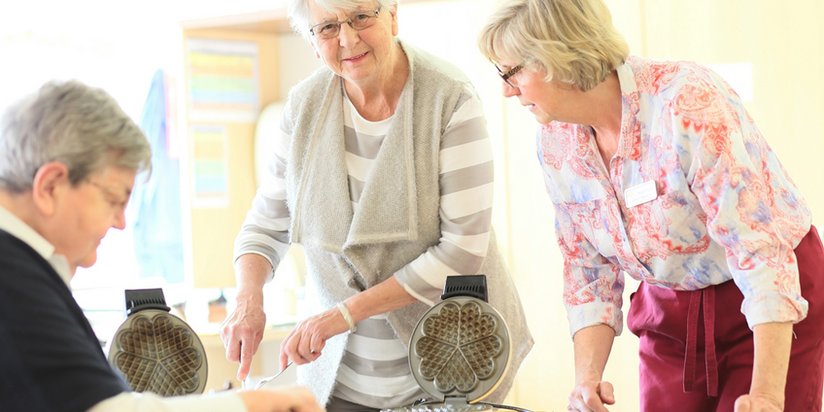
693, 197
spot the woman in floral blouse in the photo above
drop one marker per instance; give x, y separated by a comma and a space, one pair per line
656, 170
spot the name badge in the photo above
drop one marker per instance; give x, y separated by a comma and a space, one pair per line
641, 193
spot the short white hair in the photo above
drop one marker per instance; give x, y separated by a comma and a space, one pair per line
69, 122
299, 10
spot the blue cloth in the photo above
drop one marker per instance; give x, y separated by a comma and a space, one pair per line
158, 234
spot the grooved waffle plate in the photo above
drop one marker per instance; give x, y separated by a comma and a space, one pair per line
460, 348
157, 352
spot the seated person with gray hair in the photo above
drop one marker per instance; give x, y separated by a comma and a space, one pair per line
68, 160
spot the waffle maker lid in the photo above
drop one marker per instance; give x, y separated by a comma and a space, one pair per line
460, 348
156, 351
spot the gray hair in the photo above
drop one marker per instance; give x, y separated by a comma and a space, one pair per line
572, 40
299, 11
72, 123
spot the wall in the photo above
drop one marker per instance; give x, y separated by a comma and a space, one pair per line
783, 44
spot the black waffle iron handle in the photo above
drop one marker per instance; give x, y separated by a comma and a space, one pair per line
140, 299
465, 285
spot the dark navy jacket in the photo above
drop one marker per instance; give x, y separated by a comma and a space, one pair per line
50, 358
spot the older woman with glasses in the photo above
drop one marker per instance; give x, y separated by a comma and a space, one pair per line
656, 170
383, 172
69, 157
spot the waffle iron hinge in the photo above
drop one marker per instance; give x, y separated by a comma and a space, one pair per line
455, 400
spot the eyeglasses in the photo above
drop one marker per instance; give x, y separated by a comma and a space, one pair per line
508, 75
358, 20
116, 202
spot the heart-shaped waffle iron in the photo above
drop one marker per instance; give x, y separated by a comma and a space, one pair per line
459, 350
462, 349
156, 351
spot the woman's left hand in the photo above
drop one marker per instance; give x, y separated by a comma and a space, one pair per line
307, 340
757, 403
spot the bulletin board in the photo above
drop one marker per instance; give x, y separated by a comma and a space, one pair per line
229, 75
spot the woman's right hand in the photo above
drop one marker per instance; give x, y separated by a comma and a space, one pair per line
242, 331
286, 399
590, 396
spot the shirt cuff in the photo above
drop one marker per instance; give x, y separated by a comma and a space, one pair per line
774, 307
595, 313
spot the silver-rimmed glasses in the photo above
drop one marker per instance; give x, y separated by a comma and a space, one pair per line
117, 202
358, 20
506, 76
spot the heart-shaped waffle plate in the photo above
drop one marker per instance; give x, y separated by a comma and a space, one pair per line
460, 348
158, 352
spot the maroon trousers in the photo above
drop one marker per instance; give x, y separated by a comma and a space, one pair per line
696, 350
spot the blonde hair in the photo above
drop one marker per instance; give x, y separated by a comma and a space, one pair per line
572, 40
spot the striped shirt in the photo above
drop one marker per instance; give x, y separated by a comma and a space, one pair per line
375, 370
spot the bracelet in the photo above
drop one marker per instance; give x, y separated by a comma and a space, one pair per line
344, 311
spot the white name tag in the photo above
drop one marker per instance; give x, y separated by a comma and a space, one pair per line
641, 193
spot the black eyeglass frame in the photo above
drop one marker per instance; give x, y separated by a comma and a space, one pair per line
370, 14
508, 75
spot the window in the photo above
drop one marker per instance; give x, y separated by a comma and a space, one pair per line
70, 42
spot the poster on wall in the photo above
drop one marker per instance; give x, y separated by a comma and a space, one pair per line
223, 80
210, 174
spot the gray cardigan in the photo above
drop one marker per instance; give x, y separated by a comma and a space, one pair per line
397, 219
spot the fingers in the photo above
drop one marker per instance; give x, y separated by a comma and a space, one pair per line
299, 348
247, 352
304, 347
757, 403
284, 359
576, 401
593, 402
243, 371
586, 404
242, 330
317, 345
742, 404
232, 346
591, 397
286, 351
304, 344
241, 346
306, 341
241, 334
606, 392
227, 337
